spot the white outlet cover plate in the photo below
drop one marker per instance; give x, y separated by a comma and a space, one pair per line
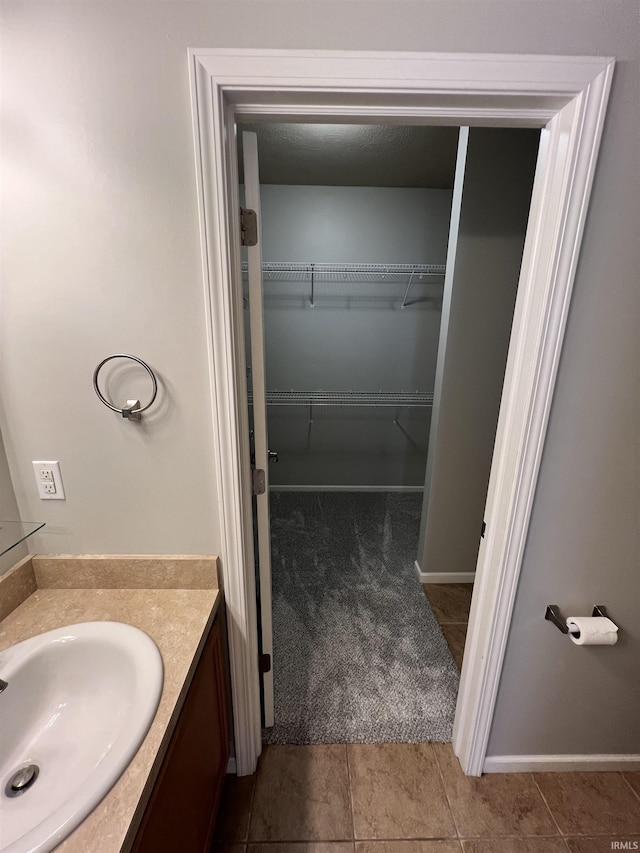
54, 468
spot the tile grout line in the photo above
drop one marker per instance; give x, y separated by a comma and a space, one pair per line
353, 819
446, 794
305, 841
252, 800
421, 839
548, 807
487, 838
633, 790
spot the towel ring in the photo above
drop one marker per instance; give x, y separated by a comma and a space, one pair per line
133, 410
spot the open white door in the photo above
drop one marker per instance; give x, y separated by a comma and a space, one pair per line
256, 325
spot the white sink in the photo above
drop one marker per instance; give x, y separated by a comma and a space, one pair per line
79, 701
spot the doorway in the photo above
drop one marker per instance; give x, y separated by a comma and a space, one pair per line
566, 97
354, 279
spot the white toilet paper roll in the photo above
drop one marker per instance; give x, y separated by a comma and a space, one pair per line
594, 630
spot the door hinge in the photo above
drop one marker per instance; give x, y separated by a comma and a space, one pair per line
248, 227
483, 529
264, 663
258, 482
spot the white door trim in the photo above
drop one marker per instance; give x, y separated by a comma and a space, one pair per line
567, 97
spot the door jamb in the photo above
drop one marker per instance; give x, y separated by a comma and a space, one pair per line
564, 96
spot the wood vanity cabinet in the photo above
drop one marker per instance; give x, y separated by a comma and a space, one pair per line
181, 813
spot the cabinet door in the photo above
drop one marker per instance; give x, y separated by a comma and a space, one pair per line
182, 809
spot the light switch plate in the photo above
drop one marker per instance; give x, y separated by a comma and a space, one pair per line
49, 481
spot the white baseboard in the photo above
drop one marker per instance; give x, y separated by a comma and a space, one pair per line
346, 488
444, 577
559, 763
231, 765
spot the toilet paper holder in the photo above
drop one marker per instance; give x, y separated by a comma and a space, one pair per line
554, 615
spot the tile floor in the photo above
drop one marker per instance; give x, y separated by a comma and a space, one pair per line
450, 603
413, 798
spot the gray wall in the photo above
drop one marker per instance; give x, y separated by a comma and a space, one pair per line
357, 337
8, 512
100, 232
496, 196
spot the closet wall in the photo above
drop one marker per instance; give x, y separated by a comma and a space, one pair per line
357, 337
496, 179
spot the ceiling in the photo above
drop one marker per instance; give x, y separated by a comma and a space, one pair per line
354, 155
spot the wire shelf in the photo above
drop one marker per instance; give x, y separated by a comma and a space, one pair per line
378, 399
406, 275
351, 273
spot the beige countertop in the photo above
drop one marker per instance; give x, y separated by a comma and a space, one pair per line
176, 619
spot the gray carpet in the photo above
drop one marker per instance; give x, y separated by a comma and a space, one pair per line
358, 654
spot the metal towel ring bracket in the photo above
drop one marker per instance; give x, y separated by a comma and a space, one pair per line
133, 410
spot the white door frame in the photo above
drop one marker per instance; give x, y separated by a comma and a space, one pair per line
564, 96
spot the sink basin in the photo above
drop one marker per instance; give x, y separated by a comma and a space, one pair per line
79, 701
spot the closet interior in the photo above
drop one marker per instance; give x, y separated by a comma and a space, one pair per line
361, 330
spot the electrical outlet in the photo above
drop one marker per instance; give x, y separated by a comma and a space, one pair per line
49, 481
